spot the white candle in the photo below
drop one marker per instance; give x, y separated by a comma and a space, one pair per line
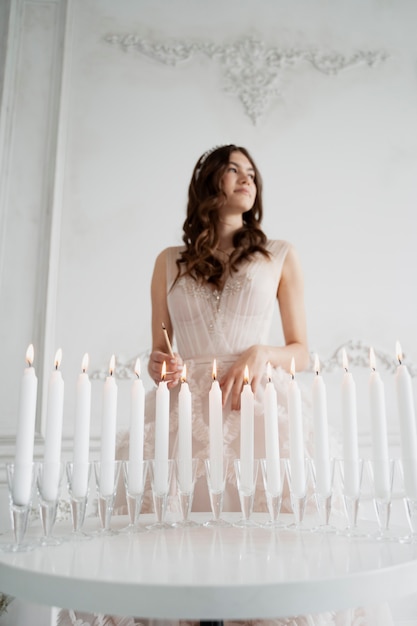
81, 432
297, 462
136, 434
380, 452
108, 432
247, 412
25, 434
161, 435
350, 432
321, 433
407, 418
185, 454
216, 433
273, 469
53, 432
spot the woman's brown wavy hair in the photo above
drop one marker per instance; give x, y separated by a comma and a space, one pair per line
201, 236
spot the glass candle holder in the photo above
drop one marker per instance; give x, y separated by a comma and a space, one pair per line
382, 473
135, 474
351, 476
273, 475
186, 476
216, 493
107, 479
246, 477
49, 481
21, 479
78, 484
323, 486
161, 476
298, 478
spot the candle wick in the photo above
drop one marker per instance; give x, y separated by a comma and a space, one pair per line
317, 372
373, 369
399, 360
346, 370
292, 376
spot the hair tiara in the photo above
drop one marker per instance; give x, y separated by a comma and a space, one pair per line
206, 155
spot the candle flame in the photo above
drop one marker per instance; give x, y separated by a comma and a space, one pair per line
84, 363
399, 352
269, 371
292, 368
112, 365
372, 359
164, 371
246, 375
58, 358
316, 364
184, 374
345, 360
30, 355
214, 374
137, 368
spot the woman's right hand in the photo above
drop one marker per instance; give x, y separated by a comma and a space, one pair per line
174, 367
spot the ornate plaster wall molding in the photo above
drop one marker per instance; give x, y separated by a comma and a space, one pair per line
357, 352
358, 356
124, 368
252, 70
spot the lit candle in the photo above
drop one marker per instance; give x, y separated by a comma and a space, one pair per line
273, 470
25, 434
297, 462
321, 433
136, 433
185, 454
350, 432
53, 432
161, 435
216, 432
108, 432
81, 432
407, 418
246, 434
379, 431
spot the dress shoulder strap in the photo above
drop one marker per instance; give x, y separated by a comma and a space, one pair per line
279, 249
172, 254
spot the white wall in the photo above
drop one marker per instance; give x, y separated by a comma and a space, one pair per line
98, 144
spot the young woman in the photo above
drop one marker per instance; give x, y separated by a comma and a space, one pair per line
216, 296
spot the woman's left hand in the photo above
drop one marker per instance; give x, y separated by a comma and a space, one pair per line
231, 383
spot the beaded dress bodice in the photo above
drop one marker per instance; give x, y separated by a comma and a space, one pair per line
210, 322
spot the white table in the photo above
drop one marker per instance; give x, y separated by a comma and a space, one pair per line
207, 573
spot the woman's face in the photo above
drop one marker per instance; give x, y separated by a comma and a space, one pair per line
238, 183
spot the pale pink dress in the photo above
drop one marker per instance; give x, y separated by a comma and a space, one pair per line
212, 324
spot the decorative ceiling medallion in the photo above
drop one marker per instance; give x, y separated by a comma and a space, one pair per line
252, 70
